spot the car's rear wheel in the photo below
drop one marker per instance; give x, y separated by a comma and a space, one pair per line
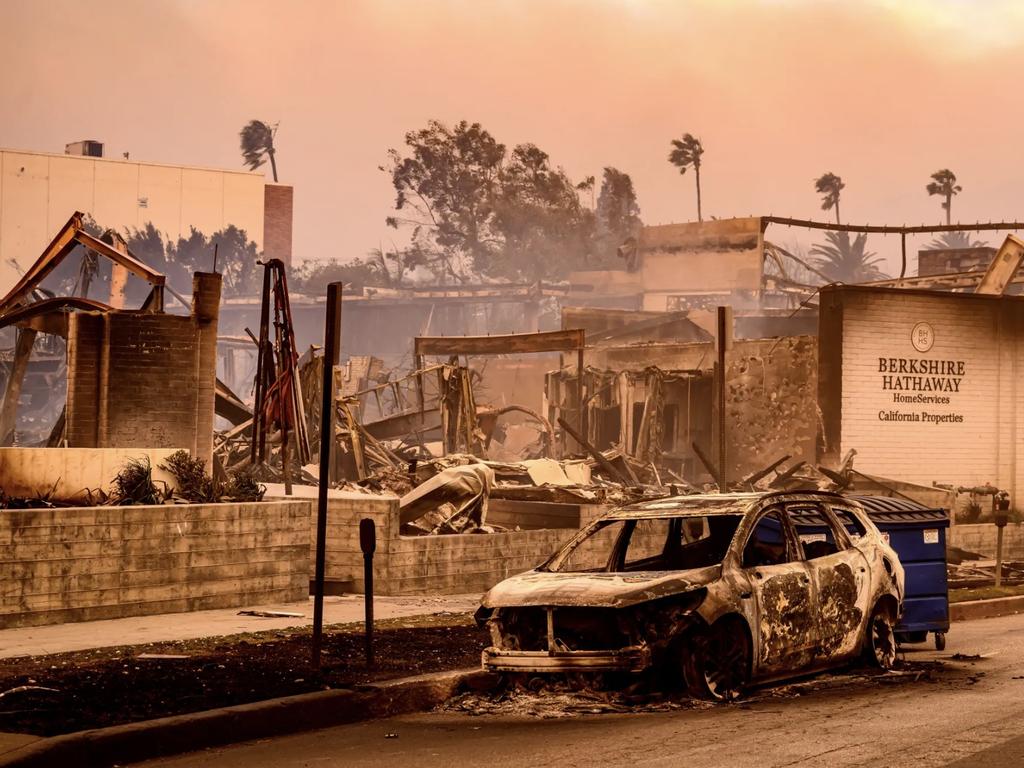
880, 639
716, 662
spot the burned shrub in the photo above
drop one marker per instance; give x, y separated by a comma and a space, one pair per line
193, 484
134, 483
197, 487
242, 487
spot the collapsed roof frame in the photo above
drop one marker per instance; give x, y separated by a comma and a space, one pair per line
69, 236
50, 315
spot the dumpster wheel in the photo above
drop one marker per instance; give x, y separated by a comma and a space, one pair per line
940, 641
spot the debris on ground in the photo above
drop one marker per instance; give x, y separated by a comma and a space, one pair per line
109, 686
550, 705
452, 501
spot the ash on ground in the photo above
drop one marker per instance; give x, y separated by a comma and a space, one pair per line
560, 698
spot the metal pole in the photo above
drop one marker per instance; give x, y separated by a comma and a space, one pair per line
999, 556
332, 342
903, 250
723, 338
579, 394
368, 544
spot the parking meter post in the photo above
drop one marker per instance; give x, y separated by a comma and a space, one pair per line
1001, 513
368, 544
999, 556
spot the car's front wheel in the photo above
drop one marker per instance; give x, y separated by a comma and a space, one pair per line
880, 638
716, 662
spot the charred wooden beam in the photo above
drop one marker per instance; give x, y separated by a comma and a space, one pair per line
506, 344
606, 465
708, 464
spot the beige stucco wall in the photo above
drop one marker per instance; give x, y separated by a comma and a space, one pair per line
38, 192
980, 441
720, 256
70, 474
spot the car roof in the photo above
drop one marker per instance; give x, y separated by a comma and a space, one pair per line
710, 504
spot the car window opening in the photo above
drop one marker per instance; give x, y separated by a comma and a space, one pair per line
768, 544
815, 531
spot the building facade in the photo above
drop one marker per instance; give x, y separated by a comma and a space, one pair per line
923, 385
39, 191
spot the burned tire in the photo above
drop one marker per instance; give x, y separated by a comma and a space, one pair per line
716, 662
880, 639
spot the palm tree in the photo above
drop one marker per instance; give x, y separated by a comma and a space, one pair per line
955, 241
258, 144
829, 186
845, 261
944, 183
686, 152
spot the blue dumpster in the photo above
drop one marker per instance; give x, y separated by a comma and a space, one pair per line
918, 534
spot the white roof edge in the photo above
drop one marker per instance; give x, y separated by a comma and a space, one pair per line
134, 162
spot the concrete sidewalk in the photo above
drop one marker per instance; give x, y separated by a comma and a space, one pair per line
62, 638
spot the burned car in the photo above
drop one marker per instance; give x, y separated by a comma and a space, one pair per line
722, 590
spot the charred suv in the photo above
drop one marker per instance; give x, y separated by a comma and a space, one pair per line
725, 589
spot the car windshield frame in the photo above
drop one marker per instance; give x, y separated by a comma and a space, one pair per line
618, 549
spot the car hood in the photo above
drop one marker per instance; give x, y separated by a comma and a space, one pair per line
603, 590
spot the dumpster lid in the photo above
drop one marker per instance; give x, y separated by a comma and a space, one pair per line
899, 511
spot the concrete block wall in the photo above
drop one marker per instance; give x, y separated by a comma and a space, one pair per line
87, 563
344, 557
419, 565
981, 538
471, 562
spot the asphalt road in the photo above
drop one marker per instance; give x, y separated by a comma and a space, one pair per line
960, 713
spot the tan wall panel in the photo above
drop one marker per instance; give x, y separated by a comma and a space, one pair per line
117, 195
202, 201
72, 187
35, 202
23, 206
243, 204
160, 186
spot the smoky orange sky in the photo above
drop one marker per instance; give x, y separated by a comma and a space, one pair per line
882, 92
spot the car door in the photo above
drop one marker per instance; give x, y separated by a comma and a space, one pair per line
782, 590
839, 571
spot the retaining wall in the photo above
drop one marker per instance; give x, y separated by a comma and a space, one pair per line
86, 563
981, 538
436, 565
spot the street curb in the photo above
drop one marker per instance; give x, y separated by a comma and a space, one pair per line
134, 742
986, 609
